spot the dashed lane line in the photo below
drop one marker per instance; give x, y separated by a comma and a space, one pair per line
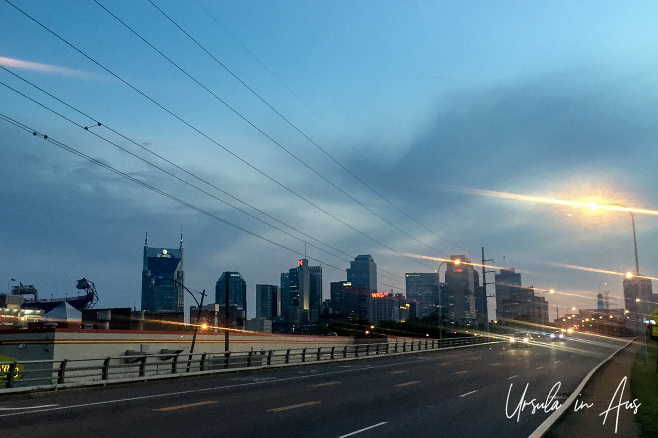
190, 405
412, 382
318, 385
298, 405
363, 430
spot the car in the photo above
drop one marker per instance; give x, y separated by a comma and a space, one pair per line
520, 341
557, 335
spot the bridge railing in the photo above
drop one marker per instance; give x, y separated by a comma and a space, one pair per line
135, 365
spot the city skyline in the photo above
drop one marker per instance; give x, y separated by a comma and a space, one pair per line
449, 113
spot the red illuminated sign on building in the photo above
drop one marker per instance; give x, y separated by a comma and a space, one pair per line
300, 262
379, 294
459, 270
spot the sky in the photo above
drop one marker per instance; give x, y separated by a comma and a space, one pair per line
264, 131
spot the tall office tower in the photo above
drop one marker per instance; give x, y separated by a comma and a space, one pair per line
301, 293
424, 289
508, 291
362, 273
236, 287
315, 292
639, 301
268, 301
285, 297
517, 302
162, 279
461, 281
481, 305
348, 300
383, 306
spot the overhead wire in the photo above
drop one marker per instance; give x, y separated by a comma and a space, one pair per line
253, 125
148, 186
392, 276
323, 150
197, 130
287, 121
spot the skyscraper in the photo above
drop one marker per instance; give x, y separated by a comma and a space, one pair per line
362, 273
162, 279
461, 281
517, 302
301, 293
424, 289
268, 301
236, 287
639, 301
348, 300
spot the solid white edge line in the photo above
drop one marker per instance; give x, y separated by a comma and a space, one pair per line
26, 408
468, 393
543, 428
363, 430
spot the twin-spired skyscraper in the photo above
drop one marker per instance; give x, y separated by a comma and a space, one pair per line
162, 279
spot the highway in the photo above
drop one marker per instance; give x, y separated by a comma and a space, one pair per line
469, 391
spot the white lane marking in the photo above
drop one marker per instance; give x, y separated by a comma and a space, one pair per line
515, 375
557, 361
207, 389
540, 367
469, 393
252, 379
2, 408
363, 430
216, 388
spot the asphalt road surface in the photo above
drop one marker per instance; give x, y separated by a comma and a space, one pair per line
463, 392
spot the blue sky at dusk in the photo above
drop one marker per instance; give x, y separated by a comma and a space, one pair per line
369, 127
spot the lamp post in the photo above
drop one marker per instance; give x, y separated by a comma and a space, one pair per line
593, 205
198, 316
438, 273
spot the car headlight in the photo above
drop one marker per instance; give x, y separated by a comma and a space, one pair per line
526, 340
552, 335
512, 340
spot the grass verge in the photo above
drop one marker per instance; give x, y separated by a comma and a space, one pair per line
644, 387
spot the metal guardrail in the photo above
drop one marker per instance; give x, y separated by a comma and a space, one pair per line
135, 365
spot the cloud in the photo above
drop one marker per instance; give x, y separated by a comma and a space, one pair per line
45, 68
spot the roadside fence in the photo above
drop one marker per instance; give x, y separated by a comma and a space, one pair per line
140, 366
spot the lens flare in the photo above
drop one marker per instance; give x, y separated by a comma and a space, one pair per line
591, 204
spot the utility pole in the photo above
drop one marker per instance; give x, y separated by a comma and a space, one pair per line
226, 313
484, 285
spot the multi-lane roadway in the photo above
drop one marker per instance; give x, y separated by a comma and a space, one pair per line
483, 390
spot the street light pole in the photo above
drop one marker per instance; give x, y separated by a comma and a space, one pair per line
198, 316
594, 206
637, 265
438, 274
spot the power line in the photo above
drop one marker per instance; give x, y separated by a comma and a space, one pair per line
197, 130
392, 276
145, 185
253, 125
324, 151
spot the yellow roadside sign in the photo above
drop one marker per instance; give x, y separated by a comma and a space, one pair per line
654, 315
5, 367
